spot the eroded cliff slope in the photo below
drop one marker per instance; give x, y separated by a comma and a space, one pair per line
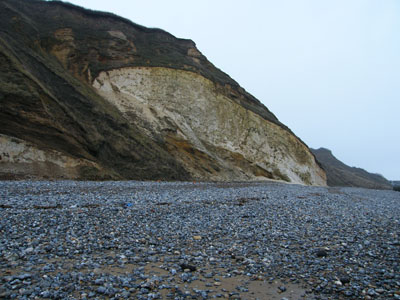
340, 174
89, 95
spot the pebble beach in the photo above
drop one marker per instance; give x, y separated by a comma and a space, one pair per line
197, 240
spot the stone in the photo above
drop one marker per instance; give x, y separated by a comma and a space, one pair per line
344, 279
101, 290
321, 253
282, 289
191, 268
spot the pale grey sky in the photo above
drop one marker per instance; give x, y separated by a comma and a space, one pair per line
330, 70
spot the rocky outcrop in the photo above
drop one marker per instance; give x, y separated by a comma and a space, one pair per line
21, 159
89, 95
340, 174
210, 134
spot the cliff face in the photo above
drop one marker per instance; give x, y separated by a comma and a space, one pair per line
90, 95
340, 174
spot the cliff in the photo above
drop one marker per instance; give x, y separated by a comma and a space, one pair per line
90, 95
340, 174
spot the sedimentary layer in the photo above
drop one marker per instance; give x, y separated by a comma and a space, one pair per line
90, 95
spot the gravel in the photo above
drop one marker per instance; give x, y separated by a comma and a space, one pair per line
190, 240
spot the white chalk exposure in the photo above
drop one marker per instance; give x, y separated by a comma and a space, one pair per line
162, 98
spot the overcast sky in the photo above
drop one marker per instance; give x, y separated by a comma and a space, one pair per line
330, 70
